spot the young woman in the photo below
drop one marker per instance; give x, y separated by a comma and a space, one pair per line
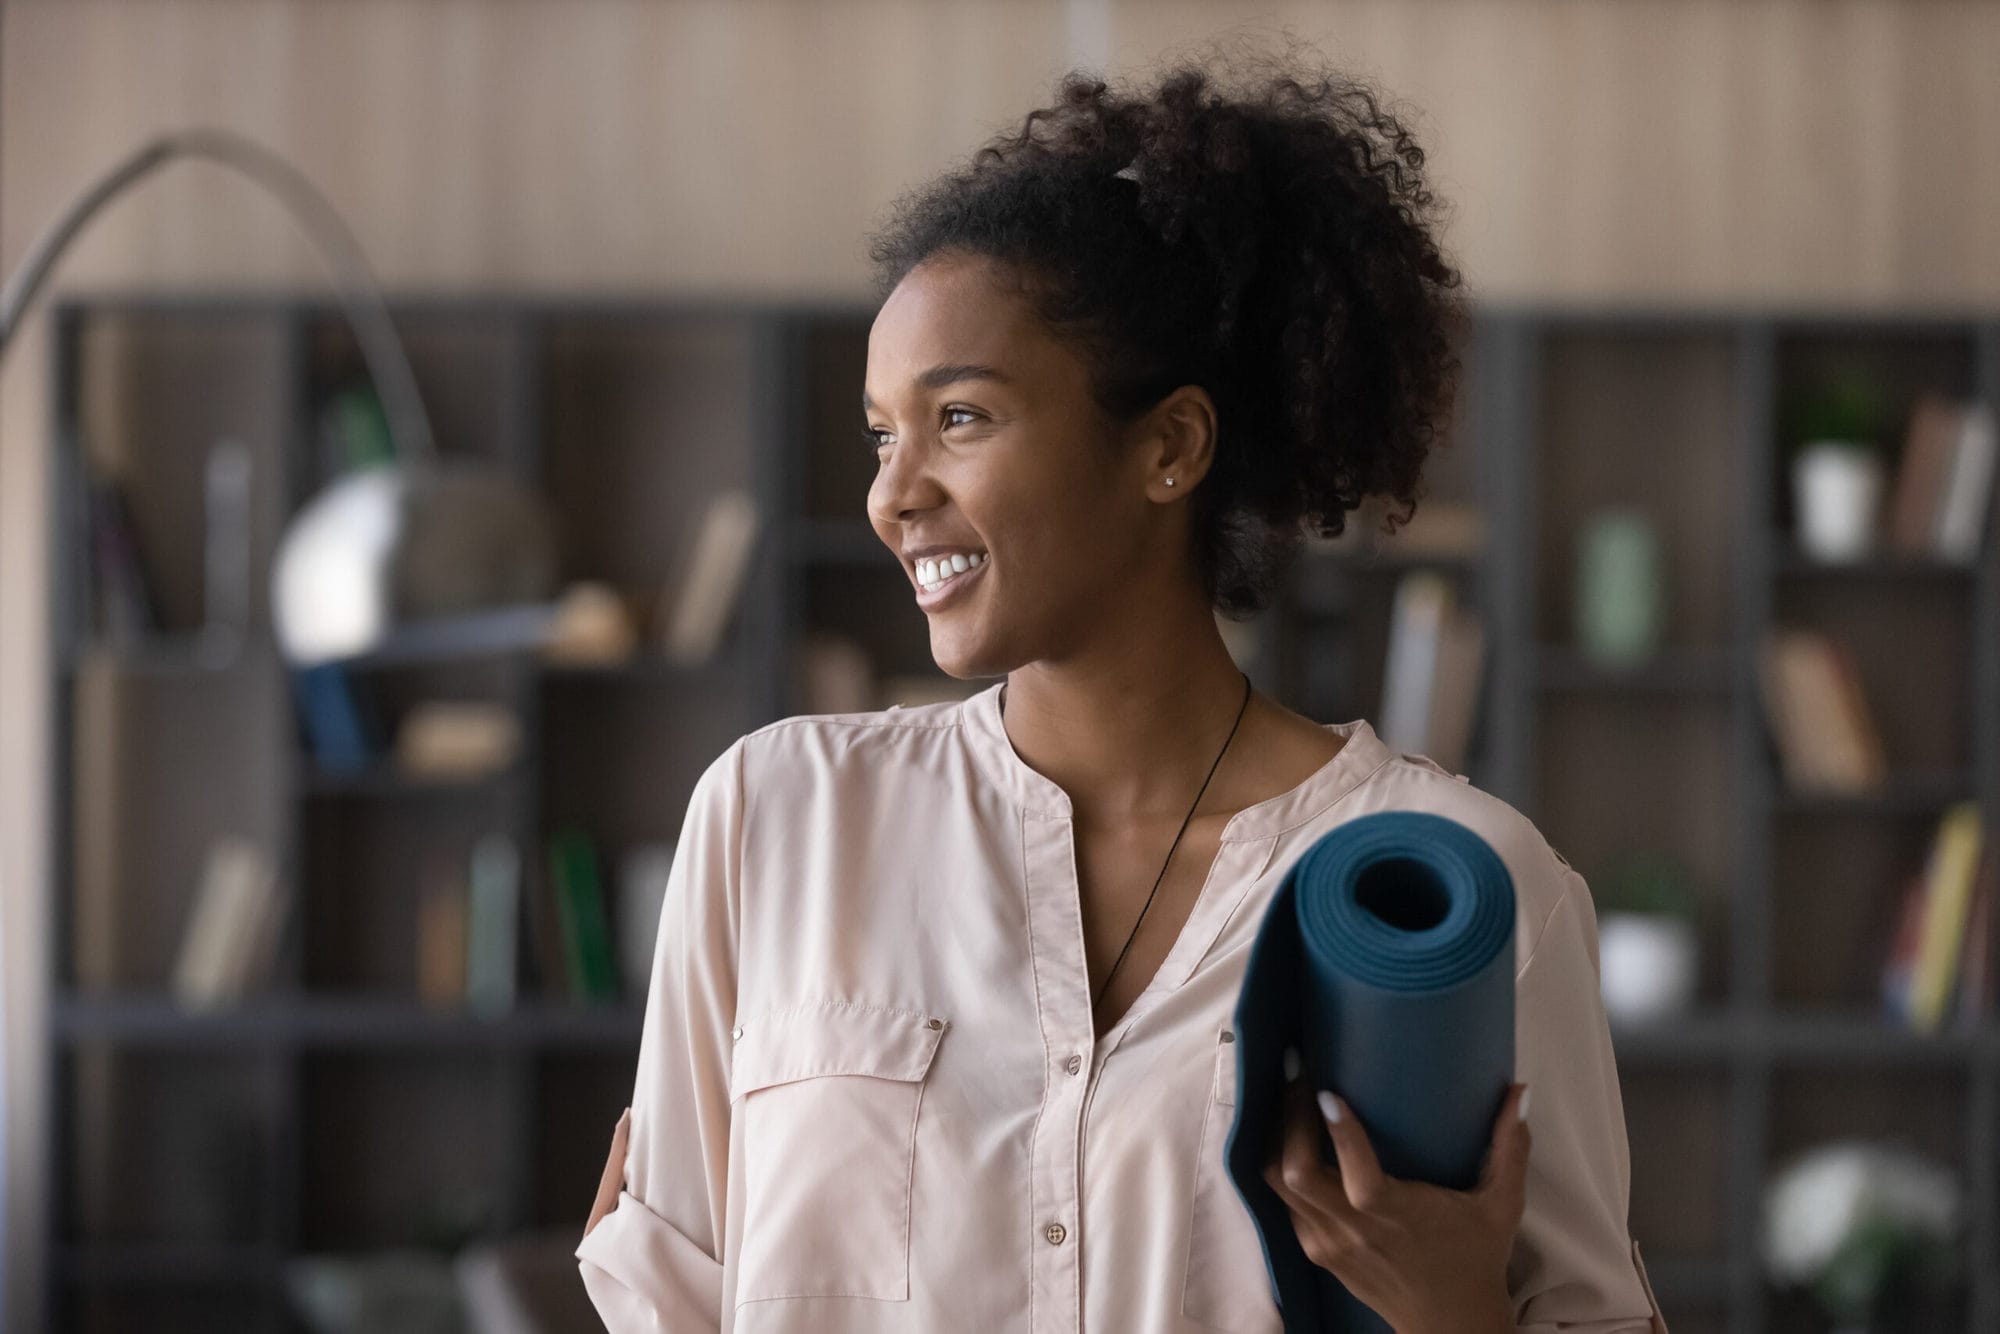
938, 1031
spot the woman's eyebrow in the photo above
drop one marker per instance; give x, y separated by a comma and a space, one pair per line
937, 377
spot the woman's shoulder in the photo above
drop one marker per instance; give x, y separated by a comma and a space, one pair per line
801, 746
1542, 876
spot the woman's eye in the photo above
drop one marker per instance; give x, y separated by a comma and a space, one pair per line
874, 436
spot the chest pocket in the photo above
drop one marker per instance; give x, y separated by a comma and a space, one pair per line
827, 1097
1228, 1285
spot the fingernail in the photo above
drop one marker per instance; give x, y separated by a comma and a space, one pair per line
1521, 1108
1291, 1065
1329, 1106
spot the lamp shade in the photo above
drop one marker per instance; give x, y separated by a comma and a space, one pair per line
389, 546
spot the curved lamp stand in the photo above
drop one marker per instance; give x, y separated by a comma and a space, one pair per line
360, 296
411, 542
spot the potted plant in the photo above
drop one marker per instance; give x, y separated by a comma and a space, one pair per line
1648, 948
1870, 1229
1838, 432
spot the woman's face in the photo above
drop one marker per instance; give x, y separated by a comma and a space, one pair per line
990, 448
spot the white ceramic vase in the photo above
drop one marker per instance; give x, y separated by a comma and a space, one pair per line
1837, 493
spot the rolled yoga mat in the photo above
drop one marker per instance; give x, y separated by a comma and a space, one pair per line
1386, 959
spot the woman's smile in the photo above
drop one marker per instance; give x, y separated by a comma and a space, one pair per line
932, 594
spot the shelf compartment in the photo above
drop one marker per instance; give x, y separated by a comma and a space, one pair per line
1640, 421
1833, 904
165, 1147
400, 1148
365, 867
1621, 772
1903, 358
137, 421
1921, 1108
645, 422
1912, 647
462, 355
141, 833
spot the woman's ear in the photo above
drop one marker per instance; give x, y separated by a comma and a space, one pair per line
1177, 440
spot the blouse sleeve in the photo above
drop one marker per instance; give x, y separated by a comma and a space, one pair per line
654, 1262
1575, 1269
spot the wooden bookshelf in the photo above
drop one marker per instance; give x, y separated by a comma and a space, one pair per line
338, 1113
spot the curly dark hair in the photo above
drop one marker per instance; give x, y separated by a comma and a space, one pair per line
1270, 241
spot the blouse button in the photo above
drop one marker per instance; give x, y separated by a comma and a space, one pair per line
1073, 1064
1228, 1036
736, 1032
934, 1023
1055, 1234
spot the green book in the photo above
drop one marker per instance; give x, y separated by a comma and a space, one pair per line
579, 894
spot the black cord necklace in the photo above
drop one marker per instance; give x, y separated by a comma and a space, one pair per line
1177, 837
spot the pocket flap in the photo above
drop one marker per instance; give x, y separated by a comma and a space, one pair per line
832, 1038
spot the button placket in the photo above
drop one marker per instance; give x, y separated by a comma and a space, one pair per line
1062, 989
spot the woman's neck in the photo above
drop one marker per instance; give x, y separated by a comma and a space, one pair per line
1128, 737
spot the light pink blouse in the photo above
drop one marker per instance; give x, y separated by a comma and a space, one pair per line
869, 1096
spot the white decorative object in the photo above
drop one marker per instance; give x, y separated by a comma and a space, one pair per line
1837, 492
1852, 1218
383, 546
1649, 964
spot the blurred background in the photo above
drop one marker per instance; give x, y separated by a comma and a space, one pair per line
358, 652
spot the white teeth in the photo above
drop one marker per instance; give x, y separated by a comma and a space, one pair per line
931, 573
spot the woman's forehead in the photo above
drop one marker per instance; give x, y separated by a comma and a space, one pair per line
952, 324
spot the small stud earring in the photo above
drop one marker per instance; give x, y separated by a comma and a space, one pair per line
1170, 481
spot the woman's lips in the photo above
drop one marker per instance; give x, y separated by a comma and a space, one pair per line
932, 599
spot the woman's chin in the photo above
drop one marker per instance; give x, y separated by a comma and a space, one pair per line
960, 655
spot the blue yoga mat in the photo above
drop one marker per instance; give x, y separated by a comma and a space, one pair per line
1386, 959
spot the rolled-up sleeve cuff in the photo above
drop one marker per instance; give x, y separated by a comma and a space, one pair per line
1651, 1321
642, 1273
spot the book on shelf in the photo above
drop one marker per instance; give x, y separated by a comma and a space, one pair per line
445, 739
231, 932
698, 612
1819, 715
593, 626
642, 889
227, 582
124, 599
548, 976
1942, 494
1975, 982
493, 928
580, 914
342, 727
1432, 672
1938, 963
442, 911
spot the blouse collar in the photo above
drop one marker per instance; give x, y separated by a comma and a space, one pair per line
1035, 792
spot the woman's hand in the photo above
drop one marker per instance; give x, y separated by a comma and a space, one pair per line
1426, 1259
613, 1179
